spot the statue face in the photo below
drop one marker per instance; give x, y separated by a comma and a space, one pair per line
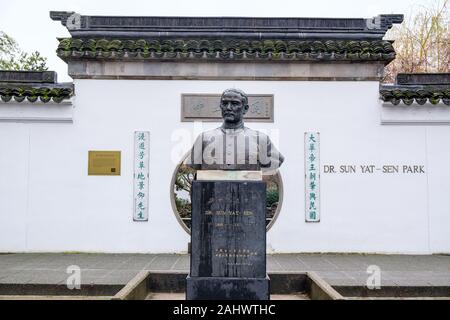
233, 108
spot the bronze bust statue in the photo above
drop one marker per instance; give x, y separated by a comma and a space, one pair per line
233, 146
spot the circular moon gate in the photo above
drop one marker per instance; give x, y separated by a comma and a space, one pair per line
181, 203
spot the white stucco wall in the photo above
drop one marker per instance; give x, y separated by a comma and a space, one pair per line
49, 203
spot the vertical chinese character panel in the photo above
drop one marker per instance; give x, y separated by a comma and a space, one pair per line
141, 175
312, 177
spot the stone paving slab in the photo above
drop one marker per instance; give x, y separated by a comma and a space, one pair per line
336, 269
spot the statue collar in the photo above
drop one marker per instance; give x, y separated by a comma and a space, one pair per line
238, 129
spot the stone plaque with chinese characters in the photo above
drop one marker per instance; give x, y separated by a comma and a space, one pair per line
206, 107
141, 175
104, 163
312, 177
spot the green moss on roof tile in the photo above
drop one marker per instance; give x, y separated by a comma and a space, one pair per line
419, 94
236, 49
32, 94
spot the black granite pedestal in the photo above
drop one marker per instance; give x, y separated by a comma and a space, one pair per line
228, 241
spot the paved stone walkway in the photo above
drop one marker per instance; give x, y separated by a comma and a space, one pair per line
336, 269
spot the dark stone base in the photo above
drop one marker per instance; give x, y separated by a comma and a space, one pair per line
219, 288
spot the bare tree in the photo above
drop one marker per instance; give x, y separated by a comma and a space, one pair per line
422, 42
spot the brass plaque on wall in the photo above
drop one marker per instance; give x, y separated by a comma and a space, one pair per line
104, 163
206, 107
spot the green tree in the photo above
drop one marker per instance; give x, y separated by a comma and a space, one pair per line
184, 178
13, 58
183, 184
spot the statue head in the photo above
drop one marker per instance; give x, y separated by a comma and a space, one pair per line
234, 104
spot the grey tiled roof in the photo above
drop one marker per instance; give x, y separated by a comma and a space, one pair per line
33, 86
250, 28
419, 88
226, 38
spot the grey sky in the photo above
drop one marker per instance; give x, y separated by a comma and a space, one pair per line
29, 22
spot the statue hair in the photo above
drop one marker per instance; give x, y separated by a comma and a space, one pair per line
239, 92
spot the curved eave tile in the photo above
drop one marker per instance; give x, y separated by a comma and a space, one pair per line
420, 95
184, 49
32, 94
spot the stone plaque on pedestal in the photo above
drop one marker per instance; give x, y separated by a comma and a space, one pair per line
228, 238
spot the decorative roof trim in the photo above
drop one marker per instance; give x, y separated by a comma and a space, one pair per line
32, 93
420, 94
419, 87
250, 28
423, 79
33, 85
28, 76
220, 50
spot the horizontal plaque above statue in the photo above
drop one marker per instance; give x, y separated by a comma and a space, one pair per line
206, 107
